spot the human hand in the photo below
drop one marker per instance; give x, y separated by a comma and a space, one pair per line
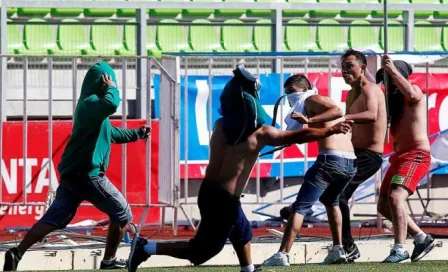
299, 117
145, 131
387, 64
107, 81
343, 127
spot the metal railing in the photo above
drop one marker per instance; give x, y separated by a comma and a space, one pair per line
53, 89
202, 79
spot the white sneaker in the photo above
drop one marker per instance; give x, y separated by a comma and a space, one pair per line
335, 256
278, 259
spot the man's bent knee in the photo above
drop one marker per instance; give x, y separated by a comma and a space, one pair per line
122, 217
397, 195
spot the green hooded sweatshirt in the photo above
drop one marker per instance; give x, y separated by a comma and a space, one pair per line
88, 149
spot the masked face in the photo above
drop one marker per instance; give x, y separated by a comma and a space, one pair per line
293, 94
293, 98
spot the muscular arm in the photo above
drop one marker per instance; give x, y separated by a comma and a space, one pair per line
322, 109
122, 136
274, 137
411, 93
371, 103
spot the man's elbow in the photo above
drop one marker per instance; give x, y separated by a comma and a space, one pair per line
414, 98
338, 112
112, 105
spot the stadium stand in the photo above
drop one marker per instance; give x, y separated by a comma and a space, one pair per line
426, 38
55, 31
361, 34
298, 36
202, 38
330, 38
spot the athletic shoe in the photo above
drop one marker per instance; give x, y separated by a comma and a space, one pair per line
421, 249
115, 264
277, 260
138, 254
396, 257
336, 256
12, 259
257, 269
352, 253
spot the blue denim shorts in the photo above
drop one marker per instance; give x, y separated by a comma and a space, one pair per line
98, 190
325, 180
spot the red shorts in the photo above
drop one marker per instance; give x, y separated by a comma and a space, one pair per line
406, 169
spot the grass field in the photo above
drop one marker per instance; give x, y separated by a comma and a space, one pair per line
359, 267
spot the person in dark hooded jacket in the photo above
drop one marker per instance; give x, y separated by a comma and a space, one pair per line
83, 166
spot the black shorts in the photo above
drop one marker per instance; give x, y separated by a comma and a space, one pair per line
222, 218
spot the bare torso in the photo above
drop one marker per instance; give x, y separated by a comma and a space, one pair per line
369, 136
231, 166
339, 142
410, 132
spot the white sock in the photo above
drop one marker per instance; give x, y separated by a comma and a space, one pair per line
150, 248
249, 268
109, 261
420, 237
283, 254
400, 248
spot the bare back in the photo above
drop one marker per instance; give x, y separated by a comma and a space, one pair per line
231, 165
410, 132
371, 135
340, 142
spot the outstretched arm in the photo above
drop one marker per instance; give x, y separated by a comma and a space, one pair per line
371, 102
322, 109
122, 136
274, 137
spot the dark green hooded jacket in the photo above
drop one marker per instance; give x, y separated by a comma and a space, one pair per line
88, 149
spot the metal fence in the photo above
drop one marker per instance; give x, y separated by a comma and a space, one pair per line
202, 79
48, 88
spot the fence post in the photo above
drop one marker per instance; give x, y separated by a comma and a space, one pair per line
169, 157
141, 64
3, 60
408, 19
276, 37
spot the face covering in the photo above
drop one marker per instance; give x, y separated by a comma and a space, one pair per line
294, 97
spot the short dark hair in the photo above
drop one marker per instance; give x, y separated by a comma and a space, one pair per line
358, 55
298, 80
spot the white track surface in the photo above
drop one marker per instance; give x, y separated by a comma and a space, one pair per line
307, 252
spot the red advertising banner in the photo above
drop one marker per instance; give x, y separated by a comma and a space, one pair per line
38, 171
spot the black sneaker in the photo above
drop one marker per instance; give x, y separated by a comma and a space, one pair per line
12, 259
421, 249
352, 253
138, 254
115, 264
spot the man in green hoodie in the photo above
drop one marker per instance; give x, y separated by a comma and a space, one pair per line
83, 166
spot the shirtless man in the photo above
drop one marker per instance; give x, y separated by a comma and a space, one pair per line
411, 161
233, 153
366, 106
335, 166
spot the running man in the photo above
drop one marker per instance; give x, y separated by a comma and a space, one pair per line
334, 168
411, 161
366, 106
235, 144
83, 166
